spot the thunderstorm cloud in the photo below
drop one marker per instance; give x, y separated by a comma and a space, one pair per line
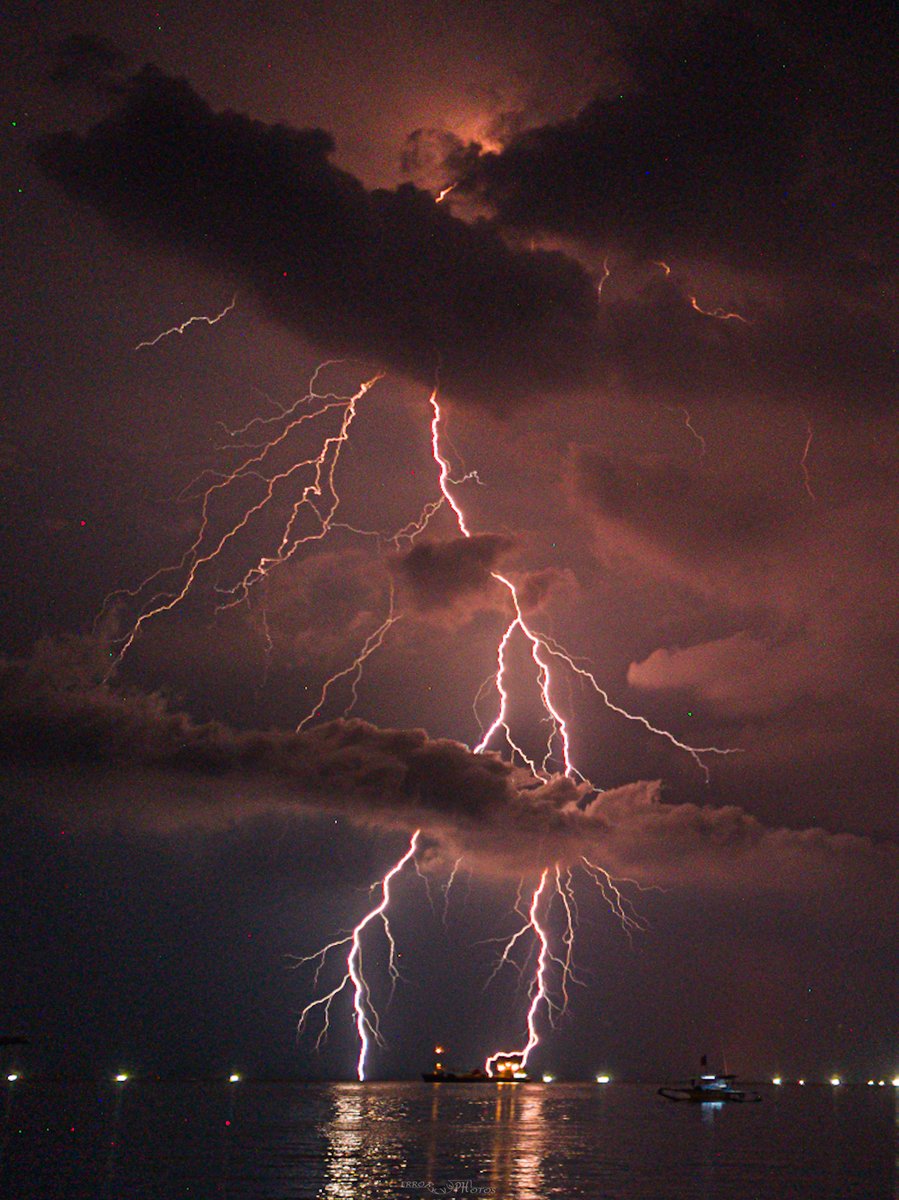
59, 718
388, 275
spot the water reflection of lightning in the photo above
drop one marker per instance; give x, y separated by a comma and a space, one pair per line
367, 1021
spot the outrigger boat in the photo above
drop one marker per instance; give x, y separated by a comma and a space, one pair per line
710, 1089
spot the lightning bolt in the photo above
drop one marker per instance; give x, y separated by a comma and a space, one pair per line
444, 192
606, 272
539, 993
373, 642
186, 325
317, 498
803, 462
720, 314
366, 1019
688, 424
542, 648
448, 887
305, 489
620, 904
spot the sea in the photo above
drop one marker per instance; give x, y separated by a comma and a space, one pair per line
148, 1138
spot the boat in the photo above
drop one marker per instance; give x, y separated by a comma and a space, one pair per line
441, 1076
710, 1088
508, 1070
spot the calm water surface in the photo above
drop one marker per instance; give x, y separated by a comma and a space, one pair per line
366, 1141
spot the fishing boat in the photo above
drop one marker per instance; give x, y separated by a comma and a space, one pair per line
710, 1088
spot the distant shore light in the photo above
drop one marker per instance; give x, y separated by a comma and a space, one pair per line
603, 1079
12, 1077
836, 1081
121, 1078
777, 1081
234, 1079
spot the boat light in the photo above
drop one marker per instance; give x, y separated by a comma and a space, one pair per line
896, 1081
547, 1078
603, 1079
870, 1083
881, 1083
777, 1081
122, 1078
234, 1079
801, 1082
836, 1081
12, 1077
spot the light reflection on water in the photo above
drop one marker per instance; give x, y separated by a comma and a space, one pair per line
157, 1141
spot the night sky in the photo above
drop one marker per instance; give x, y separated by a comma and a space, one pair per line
658, 306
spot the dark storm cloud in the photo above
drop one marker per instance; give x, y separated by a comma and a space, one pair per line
84, 60
391, 276
441, 574
807, 345
696, 516
756, 138
149, 766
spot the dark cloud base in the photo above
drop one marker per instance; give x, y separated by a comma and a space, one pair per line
151, 766
390, 276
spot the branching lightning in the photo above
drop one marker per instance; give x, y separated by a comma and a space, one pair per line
539, 995
542, 648
303, 492
367, 1021
318, 499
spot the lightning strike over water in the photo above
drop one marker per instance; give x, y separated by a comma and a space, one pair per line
186, 325
305, 488
367, 1021
539, 995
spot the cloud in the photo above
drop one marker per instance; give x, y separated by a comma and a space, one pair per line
741, 675
386, 275
141, 764
693, 519
737, 137
441, 575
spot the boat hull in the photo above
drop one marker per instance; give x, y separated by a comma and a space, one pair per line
709, 1095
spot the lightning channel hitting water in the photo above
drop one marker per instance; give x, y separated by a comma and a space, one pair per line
313, 497
367, 1021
